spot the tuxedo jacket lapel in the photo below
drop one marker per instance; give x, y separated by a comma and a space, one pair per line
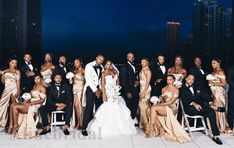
130, 67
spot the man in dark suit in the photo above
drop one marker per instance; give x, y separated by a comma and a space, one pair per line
159, 73
62, 69
130, 84
195, 104
28, 71
200, 82
230, 113
60, 99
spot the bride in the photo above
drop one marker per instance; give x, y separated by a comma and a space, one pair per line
113, 117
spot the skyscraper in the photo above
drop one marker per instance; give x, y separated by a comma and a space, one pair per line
21, 27
173, 37
211, 28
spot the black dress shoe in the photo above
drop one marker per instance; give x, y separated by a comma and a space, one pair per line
44, 131
218, 141
84, 133
66, 132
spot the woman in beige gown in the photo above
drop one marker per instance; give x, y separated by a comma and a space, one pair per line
219, 95
145, 91
178, 71
47, 70
24, 121
162, 116
78, 87
11, 78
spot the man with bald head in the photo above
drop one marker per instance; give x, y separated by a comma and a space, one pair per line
130, 84
62, 68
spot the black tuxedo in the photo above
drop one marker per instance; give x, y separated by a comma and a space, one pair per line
127, 79
27, 82
230, 114
157, 73
63, 95
187, 97
200, 82
60, 70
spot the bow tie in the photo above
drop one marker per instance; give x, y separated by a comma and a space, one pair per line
98, 67
28, 63
57, 85
161, 65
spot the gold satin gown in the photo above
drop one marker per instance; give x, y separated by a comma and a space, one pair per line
9, 91
144, 103
78, 88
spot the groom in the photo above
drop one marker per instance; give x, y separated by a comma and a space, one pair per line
93, 94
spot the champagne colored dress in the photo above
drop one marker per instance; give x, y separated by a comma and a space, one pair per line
9, 91
78, 87
220, 100
47, 74
144, 103
27, 122
173, 130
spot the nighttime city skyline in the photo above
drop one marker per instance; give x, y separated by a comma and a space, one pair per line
116, 73
109, 25
83, 29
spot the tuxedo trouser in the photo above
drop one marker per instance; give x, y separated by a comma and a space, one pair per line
230, 112
206, 112
132, 103
91, 99
44, 110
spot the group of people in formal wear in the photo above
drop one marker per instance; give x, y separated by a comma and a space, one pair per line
108, 101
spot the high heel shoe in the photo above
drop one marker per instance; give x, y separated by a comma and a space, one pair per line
152, 134
15, 129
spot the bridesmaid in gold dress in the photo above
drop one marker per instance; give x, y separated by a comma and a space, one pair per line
11, 78
145, 91
219, 95
162, 116
47, 69
178, 71
78, 87
24, 124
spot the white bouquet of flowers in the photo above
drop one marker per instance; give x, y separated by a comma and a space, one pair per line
69, 76
211, 77
26, 96
155, 99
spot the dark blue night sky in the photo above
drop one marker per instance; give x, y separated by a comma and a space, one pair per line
112, 26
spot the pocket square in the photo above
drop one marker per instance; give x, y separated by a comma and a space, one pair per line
63, 92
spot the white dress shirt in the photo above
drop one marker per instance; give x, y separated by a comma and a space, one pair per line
163, 68
133, 67
29, 65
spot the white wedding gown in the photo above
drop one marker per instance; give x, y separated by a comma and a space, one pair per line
112, 117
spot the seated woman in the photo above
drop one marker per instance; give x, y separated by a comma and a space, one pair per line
24, 113
162, 115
